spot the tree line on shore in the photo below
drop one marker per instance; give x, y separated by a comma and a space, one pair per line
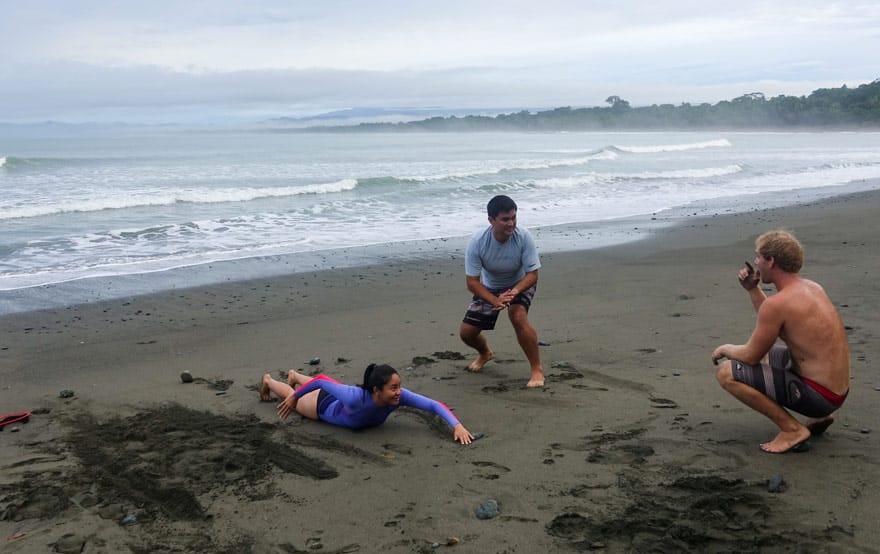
831, 108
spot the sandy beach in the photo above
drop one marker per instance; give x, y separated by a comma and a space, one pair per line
630, 447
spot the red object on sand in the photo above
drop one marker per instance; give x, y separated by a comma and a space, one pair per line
20, 416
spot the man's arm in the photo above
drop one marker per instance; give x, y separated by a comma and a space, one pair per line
478, 289
529, 280
757, 296
750, 279
767, 329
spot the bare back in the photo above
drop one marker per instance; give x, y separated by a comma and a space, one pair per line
815, 335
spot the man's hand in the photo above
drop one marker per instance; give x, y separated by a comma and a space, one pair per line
506, 297
718, 353
748, 277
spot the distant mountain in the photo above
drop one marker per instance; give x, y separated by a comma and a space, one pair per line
355, 116
828, 109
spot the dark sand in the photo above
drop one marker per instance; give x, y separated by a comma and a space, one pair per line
631, 447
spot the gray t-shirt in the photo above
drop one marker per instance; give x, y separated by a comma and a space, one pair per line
501, 265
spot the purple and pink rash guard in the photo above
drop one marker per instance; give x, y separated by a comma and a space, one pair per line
353, 407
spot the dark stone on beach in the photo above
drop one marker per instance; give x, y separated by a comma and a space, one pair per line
341, 360
449, 355
776, 483
65, 394
111, 511
487, 510
186, 377
543, 343
70, 544
865, 431
314, 361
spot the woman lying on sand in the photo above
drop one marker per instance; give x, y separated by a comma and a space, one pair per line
324, 399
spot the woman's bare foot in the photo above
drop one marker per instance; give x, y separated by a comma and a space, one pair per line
292, 376
536, 381
265, 392
786, 440
482, 359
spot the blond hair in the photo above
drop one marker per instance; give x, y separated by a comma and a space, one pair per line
783, 247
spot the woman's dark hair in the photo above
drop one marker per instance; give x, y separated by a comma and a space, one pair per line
377, 376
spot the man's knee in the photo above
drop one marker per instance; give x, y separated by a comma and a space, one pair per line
518, 315
468, 332
724, 374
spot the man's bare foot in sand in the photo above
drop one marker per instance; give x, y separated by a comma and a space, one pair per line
786, 440
482, 359
537, 379
818, 426
265, 392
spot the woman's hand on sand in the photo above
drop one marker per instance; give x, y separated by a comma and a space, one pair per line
461, 434
287, 406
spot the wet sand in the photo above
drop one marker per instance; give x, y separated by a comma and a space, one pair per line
631, 446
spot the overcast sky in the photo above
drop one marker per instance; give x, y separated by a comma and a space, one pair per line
223, 60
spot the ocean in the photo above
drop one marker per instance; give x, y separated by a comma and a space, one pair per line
90, 214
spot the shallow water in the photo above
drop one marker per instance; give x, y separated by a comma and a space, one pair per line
144, 209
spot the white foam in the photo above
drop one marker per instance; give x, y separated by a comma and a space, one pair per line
169, 198
719, 143
496, 167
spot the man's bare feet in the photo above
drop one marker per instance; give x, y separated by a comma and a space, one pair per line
536, 381
265, 392
786, 440
818, 426
482, 359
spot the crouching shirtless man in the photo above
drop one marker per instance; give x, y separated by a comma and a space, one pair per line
810, 374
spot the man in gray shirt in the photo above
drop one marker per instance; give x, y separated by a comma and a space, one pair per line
501, 268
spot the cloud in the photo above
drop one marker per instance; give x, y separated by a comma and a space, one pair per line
95, 59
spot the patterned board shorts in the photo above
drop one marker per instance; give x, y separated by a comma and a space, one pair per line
481, 314
778, 381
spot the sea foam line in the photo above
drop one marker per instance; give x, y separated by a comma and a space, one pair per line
718, 143
591, 178
517, 165
195, 196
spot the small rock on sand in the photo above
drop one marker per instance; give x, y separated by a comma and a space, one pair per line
65, 394
487, 510
186, 376
776, 483
70, 544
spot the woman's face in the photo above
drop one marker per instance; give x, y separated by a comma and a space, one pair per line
389, 395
